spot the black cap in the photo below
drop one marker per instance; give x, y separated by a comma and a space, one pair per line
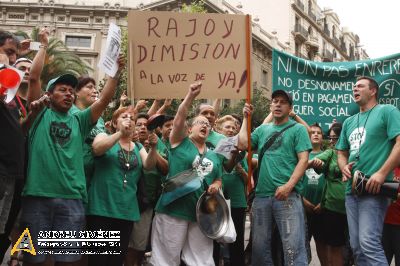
286, 94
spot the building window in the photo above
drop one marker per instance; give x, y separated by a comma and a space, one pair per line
34, 17
79, 19
61, 18
264, 78
78, 41
16, 16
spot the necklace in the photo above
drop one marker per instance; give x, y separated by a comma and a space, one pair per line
126, 163
362, 134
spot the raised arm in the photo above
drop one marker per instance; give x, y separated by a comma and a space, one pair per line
108, 92
178, 132
34, 84
243, 137
299, 120
165, 106
217, 106
154, 107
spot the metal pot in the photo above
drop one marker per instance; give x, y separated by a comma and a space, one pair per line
212, 220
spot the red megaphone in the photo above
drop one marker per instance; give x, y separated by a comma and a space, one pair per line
9, 78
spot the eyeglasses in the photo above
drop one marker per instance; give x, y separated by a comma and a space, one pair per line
201, 123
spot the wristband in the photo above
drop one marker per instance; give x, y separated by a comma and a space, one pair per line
43, 46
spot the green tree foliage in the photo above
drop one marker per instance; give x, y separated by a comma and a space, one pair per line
59, 59
260, 103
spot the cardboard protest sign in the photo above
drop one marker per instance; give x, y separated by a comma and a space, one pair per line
168, 51
323, 91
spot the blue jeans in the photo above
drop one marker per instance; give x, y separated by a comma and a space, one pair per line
365, 216
289, 218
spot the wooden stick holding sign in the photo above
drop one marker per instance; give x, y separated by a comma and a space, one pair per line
248, 100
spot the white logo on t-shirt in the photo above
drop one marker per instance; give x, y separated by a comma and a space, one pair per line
357, 138
312, 177
204, 168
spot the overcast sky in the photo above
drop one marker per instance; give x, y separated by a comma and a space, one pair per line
375, 22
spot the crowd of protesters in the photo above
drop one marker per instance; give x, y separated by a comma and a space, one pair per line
63, 168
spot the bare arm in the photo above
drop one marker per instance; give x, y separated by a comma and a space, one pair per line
108, 92
283, 192
217, 107
162, 165
243, 137
103, 142
34, 84
154, 107
268, 119
165, 106
150, 160
178, 132
299, 120
35, 108
377, 179
344, 165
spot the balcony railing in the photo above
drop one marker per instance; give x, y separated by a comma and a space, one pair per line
336, 41
300, 4
301, 32
313, 42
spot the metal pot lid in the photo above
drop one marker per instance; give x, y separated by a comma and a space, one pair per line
213, 221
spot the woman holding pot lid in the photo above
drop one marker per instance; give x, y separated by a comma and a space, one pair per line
175, 232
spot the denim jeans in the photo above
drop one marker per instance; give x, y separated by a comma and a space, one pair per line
289, 218
365, 216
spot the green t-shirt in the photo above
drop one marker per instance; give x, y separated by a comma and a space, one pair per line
55, 166
213, 139
153, 177
87, 146
234, 187
333, 198
375, 137
184, 157
280, 159
107, 195
313, 183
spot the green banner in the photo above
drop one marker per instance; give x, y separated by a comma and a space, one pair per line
323, 91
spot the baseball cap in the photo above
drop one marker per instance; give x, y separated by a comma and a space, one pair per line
286, 94
68, 79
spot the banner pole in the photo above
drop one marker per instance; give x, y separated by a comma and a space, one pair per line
248, 100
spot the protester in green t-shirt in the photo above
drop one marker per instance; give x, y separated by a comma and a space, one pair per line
234, 187
370, 143
333, 223
148, 194
86, 94
313, 184
175, 232
113, 204
277, 193
56, 183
